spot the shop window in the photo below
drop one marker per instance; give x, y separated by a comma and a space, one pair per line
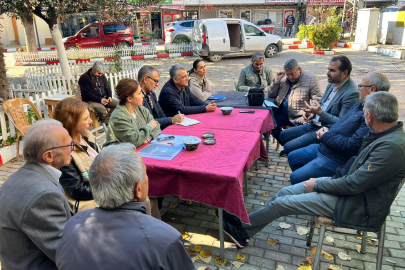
225, 14
266, 17
190, 15
245, 15
250, 30
92, 31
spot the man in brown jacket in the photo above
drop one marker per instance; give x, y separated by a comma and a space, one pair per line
291, 94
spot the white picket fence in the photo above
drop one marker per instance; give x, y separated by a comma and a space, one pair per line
47, 81
107, 52
50, 77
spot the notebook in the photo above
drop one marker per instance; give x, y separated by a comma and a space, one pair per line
188, 122
165, 150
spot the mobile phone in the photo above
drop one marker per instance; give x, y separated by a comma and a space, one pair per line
168, 138
247, 111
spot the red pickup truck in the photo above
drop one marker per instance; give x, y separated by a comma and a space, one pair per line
100, 35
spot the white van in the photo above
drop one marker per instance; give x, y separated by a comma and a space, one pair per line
214, 38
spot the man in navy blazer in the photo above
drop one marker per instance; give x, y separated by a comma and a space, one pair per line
176, 97
148, 78
33, 209
341, 94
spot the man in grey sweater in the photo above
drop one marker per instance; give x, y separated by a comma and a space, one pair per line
359, 200
118, 234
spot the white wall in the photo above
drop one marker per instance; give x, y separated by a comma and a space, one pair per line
8, 37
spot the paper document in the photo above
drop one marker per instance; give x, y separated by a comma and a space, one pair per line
164, 149
188, 122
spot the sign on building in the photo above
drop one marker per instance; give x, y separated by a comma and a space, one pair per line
280, 1
173, 2
326, 2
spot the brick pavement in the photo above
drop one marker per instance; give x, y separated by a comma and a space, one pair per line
200, 222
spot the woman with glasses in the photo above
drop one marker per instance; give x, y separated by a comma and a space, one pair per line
130, 121
197, 82
75, 117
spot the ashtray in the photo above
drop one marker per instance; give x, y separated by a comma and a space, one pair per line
208, 135
191, 143
210, 141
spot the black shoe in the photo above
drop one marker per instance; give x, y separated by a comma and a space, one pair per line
230, 218
237, 234
283, 154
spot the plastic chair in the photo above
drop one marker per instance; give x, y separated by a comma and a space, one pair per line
15, 112
324, 221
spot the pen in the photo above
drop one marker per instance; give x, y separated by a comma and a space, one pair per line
179, 112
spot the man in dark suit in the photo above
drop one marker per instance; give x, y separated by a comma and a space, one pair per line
33, 206
176, 97
148, 78
341, 94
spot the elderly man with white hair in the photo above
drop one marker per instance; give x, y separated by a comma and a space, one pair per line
33, 209
118, 234
96, 91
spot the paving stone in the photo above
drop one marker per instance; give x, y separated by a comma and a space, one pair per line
352, 264
372, 266
209, 225
205, 217
173, 218
292, 250
325, 265
262, 262
201, 210
391, 244
277, 256
362, 257
190, 221
183, 213
398, 261
196, 229
397, 253
395, 224
255, 251
263, 244
177, 226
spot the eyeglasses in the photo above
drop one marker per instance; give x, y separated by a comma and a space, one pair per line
363, 85
156, 81
72, 146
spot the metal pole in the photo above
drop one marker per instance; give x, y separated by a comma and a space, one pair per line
353, 20
36, 31
221, 233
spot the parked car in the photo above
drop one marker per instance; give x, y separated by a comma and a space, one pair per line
100, 35
178, 32
215, 38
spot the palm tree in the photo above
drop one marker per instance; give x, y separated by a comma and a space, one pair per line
3, 76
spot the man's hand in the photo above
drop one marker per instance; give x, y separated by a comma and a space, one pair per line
211, 107
301, 121
279, 76
104, 101
178, 118
315, 108
309, 184
153, 123
109, 99
321, 131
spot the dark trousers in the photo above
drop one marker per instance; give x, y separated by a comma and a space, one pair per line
298, 137
281, 121
308, 163
101, 111
289, 28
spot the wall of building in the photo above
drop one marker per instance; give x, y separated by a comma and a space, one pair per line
7, 33
275, 12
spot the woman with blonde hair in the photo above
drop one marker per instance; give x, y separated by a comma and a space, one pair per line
198, 82
75, 118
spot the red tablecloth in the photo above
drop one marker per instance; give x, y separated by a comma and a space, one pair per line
260, 121
212, 174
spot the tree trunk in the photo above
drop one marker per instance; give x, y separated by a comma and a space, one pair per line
57, 38
3, 76
28, 22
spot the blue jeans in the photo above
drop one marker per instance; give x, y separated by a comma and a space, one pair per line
299, 137
308, 163
281, 120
